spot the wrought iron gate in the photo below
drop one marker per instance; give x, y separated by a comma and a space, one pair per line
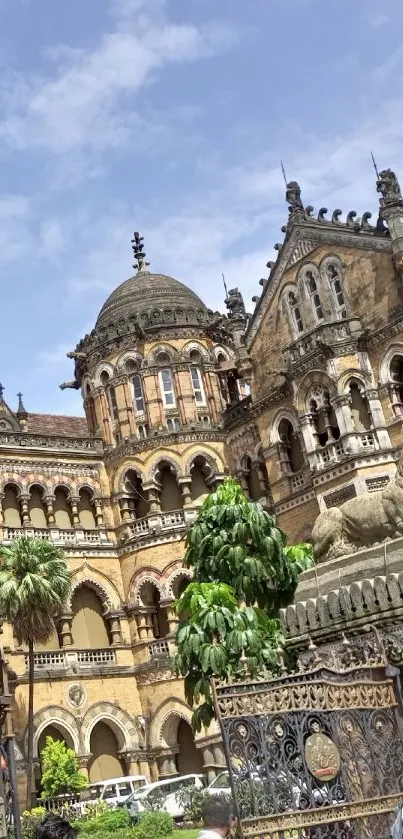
314, 755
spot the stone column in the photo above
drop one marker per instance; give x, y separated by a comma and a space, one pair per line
172, 618
65, 630
395, 398
378, 418
308, 433
166, 764
342, 409
144, 622
25, 516
50, 513
74, 501
208, 763
115, 628
83, 761
185, 484
124, 504
1, 509
99, 515
153, 497
131, 762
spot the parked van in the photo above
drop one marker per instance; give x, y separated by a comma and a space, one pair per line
114, 791
164, 794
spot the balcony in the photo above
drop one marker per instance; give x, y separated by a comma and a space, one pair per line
158, 649
348, 446
324, 340
237, 412
158, 524
65, 537
66, 659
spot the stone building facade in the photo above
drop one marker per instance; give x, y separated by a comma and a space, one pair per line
302, 400
325, 353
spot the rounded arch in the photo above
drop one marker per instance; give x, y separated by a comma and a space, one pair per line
129, 362
161, 460
210, 461
39, 484
195, 347
60, 719
161, 349
138, 588
133, 465
218, 351
103, 589
120, 722
385, 373
15, 483
173, 583
164, 719
312, 379
344, 381
105, 367
282, 415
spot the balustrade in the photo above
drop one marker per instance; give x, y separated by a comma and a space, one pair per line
158, 649
66, 536
61, 660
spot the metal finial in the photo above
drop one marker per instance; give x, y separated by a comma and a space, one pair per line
375, 166
225, 286
283, 171
140, 262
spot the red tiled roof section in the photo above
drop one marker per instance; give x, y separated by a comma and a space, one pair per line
57, 425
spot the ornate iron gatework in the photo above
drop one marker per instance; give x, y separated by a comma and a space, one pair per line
314, 755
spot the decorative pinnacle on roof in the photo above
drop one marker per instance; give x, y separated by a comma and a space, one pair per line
1, 393
139, 256
388, 185
293, 197
21, 410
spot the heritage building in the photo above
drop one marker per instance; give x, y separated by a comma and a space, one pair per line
164, 383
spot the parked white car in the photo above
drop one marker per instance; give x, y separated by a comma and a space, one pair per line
164, 794
220, 785
114, 791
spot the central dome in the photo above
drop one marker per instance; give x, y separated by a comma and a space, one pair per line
152, 300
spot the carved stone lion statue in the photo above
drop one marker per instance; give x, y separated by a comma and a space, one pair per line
293, 196
360, 522
388, 186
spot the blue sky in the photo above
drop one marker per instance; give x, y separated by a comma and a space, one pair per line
170, 117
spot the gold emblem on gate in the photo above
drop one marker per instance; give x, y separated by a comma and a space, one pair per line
322, 757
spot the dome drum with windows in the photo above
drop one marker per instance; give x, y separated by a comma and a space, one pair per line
142, 308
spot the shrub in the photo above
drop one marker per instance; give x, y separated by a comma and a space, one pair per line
156, 825
108, 822
29, 820
191, 799
60, 771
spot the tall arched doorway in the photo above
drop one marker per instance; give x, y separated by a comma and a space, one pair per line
89, 628
105, 762
55, 734
188, 759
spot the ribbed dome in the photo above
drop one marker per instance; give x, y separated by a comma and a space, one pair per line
152, 298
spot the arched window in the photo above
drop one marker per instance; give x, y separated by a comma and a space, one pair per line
89, 628
323, 416
37, 507
138, 394
334, 278
295, 312
173, 424
197, 384
200, 470
291, 446
11, 506
360, 413
167, 387
86, 509
62, 508
113, 405
138, 503
396, 374
142, 431
170, 493
314, 295
150, 596
105, 761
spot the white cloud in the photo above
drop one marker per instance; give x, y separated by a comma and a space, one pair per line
88, 101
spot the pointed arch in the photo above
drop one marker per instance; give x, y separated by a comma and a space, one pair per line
121, 723
59, 718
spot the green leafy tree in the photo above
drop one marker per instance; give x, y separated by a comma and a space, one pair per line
60, 772
34, 585
243, 574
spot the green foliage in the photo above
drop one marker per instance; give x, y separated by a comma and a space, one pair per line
34, 584
30, 819
156, 825
243, 574
191, 799
60, 770
108, 822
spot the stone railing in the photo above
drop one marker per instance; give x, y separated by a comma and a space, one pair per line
158, 649
325, 335
48, 442
237, 412
156, 524
62, 660
65, 537
349, 445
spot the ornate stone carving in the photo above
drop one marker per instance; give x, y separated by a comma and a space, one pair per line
76, 696
293, 197
360, 522
388, 186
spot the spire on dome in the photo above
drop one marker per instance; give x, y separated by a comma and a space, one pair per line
139, 255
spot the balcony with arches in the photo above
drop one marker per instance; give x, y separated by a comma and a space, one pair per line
88, 637
153, 596
166, 504
58, 515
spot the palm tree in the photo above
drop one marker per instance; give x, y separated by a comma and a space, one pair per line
34, 585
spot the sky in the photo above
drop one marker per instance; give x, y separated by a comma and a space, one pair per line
171, 117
